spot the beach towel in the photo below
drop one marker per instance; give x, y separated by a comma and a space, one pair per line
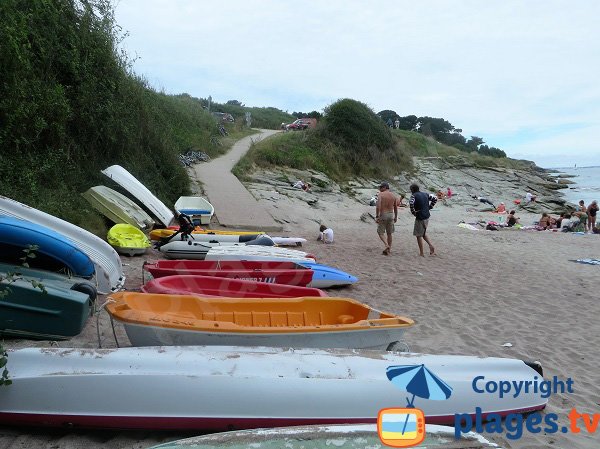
587, 261
467, 226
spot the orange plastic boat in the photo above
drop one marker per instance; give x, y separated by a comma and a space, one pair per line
155, 320
210, 286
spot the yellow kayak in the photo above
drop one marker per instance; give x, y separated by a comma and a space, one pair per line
157, 234
127, 239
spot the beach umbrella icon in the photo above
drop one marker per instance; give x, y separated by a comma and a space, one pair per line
419, 381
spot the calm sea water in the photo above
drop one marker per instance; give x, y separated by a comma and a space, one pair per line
587, 187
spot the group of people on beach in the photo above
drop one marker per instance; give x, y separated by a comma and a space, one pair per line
582, 217
386, 215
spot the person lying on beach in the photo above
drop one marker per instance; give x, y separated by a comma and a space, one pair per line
501, 209
484, 200
511, 220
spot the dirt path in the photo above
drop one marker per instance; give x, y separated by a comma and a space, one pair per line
234, 206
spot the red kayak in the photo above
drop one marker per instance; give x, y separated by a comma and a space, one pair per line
208, 286
288, 273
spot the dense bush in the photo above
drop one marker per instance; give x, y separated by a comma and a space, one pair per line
71, 106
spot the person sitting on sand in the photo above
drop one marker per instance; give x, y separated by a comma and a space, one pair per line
501, 209
569, 223
449, 193
512, 220
544, 222
325, 234
529, 198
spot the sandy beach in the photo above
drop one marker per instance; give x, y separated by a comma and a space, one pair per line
483, 289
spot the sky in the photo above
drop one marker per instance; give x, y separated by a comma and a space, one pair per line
521, 74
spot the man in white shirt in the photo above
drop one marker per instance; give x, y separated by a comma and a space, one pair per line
325, 234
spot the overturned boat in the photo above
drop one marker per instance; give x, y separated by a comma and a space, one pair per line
224, 388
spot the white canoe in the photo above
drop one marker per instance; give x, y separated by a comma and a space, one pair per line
196, 207
138, 190
349, 436
289, 241
107, 263
258, 253
197, 250
224, 387
117, 207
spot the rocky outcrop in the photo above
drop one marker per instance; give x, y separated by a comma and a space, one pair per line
432, 174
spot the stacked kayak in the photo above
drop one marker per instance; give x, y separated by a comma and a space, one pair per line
277, 272
210, 286
257, 253
219, 388
107, 263
53, 251
192, 249
155, 319
158, 234
127, 239
305, 273
38, 304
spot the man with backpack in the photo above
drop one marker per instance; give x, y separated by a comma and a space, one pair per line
420, 203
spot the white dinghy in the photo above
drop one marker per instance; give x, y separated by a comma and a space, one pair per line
139, 190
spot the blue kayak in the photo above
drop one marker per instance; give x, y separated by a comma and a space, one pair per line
54, 251
325, 276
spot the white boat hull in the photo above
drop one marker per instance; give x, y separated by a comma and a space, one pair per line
189, 204
382, 339
289, 241
139, 190
236, 387
191, 249
258, 253
107, 263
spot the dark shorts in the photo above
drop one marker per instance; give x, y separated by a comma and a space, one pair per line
420, 227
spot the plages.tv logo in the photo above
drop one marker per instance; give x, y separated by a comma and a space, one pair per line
405, 427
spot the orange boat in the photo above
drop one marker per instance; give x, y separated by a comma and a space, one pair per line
312, 322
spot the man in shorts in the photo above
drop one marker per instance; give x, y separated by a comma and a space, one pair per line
386, 214
420, 203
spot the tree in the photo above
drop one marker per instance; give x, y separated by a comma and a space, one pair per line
409, 123
235, 103
387, 115
474, 142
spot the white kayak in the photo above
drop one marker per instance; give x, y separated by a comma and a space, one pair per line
289, 241
197, 249
216, 388
258, 253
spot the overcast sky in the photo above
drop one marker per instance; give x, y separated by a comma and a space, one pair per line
521, 74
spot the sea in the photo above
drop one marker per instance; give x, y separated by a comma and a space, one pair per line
587, 184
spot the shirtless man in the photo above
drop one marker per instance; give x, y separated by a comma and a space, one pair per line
386, 214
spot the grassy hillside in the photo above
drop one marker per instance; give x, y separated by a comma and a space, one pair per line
351, 140
71, 106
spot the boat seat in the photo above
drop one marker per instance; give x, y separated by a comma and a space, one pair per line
345, 319
268, 319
